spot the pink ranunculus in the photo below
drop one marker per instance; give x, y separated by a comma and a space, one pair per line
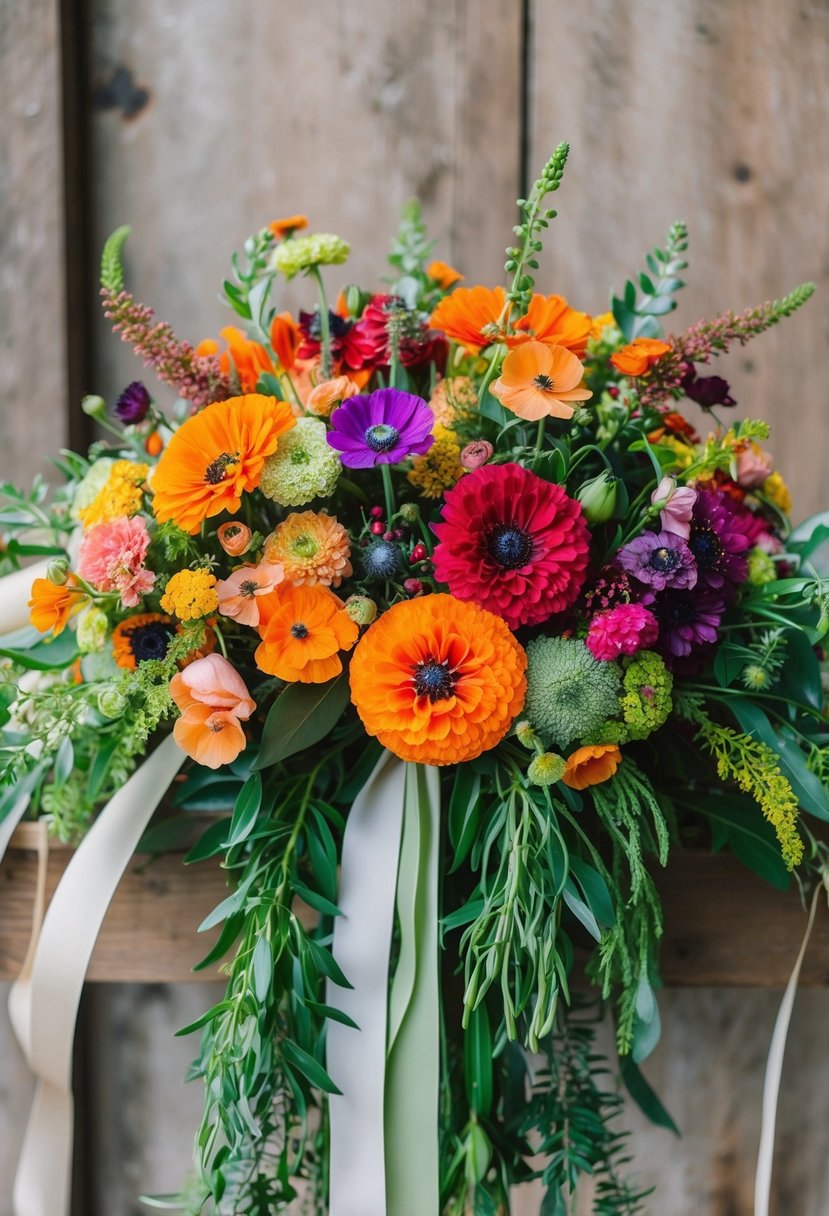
677, 506
621, 630
111, 558
214, 701
752, 466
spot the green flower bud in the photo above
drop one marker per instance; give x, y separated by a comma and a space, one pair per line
92, 630
356, 300
598, 498
526, 735
361, 609
111, 702
57, 571
409, 512
761, 568
94, 406
546, 769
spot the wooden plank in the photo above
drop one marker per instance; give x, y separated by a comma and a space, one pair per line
709, 113
723, 925
33, 364
210, 119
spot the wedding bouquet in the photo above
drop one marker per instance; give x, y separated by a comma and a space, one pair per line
441, 593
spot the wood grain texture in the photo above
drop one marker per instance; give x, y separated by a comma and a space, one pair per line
211, 119
714, 113
33, 398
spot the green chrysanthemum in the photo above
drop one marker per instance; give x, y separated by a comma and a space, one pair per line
569, 693
305, 252
647, 697
761, 568
303, 466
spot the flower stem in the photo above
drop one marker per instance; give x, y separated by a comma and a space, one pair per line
539, 439
325, 325
388, 491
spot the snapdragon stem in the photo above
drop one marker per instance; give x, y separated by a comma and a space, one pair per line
325, 325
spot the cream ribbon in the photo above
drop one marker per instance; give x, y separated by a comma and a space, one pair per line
774, 1072
362, 938
43, 1003
15, 591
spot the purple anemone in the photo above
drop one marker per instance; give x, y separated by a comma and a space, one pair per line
687, 620
719, 541
660, 560
383, 428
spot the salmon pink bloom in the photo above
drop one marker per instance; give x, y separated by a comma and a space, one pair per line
238, 593
752, 466
111, 558
677, 503
214, 701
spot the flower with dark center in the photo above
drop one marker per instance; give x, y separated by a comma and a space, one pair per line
382, 438
660, 560
513, 543
218, 469
383, 428
434, 680
141, 637
134, 404
687, 620
720, 540
298, 630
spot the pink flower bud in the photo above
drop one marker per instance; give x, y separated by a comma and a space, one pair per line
475, 454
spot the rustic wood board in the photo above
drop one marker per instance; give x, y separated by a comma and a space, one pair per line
712, 113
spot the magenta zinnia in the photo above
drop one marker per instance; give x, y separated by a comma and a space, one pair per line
513, 543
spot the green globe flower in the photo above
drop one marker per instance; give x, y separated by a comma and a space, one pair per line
305, 252
569, 693
546, 769
303, 466
647, 699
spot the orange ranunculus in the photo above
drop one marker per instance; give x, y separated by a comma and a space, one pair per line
438, 680
234, 537
303, 630
540, 381
328, 393
443, 274
239, 594
287, 225
215, 456
470, 315
214, 701
51, 605
639, 356
591, 765
550, 319
285, 339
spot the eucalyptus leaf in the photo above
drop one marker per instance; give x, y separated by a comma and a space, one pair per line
301, 716
310, 1068
49, 655
245, 811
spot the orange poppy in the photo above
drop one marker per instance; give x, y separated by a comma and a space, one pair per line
303, 629
287, 225
213, 700
639, 356
470, 315
438, 680
215, 456
285, 339
550, 319
591, 765
239, 594
443, 274
248, 359
51, 605
539, 381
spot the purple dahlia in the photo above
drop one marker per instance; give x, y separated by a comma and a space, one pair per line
719, 541
687, 620
383, 428
660, 560
133, 405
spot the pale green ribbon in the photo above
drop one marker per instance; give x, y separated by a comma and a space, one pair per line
384, 1125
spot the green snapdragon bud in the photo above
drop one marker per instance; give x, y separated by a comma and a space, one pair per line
598, 498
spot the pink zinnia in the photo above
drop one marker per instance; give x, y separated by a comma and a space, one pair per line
111, 558
512, 543
621, 630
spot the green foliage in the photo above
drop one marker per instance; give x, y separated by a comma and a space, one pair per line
523, 258
300, 716
638, 316
112, 269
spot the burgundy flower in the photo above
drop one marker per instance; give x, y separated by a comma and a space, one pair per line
659, 560
417, 345
349, 344
133, 405
720, 540
707, 391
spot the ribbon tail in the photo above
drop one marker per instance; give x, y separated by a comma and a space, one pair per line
356, 1059
412, 1087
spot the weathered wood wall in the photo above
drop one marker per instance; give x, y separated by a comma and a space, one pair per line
197, 122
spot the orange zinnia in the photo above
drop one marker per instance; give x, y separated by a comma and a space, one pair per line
438, 680
539, 381
470, 315
639, 356
216, 456
288, 224
51, 605
303, 629
591, 765
550, 319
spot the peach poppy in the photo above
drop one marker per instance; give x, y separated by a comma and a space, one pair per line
214, 701
639, 356
215, 456
539, 381
288, 224
443, 274
52, 605
470, 315
328, 393
550, 319
591, 765
303, 629
285, 338
239, 593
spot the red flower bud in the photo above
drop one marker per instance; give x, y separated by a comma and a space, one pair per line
413, 586
418, 553
376, 512
378, 527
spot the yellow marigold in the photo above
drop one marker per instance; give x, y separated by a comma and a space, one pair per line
312, 547
120, 495
190, 594
441, 467
453, 400
775, 488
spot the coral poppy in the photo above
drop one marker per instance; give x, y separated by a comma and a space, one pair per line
215, 456
286, 337
540, 381
513, 543
591, 765
550, 319
443, 274
303, 629
470, 315
287, 225
639, 356
213, 700
438, 681
52, 605
240, 592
